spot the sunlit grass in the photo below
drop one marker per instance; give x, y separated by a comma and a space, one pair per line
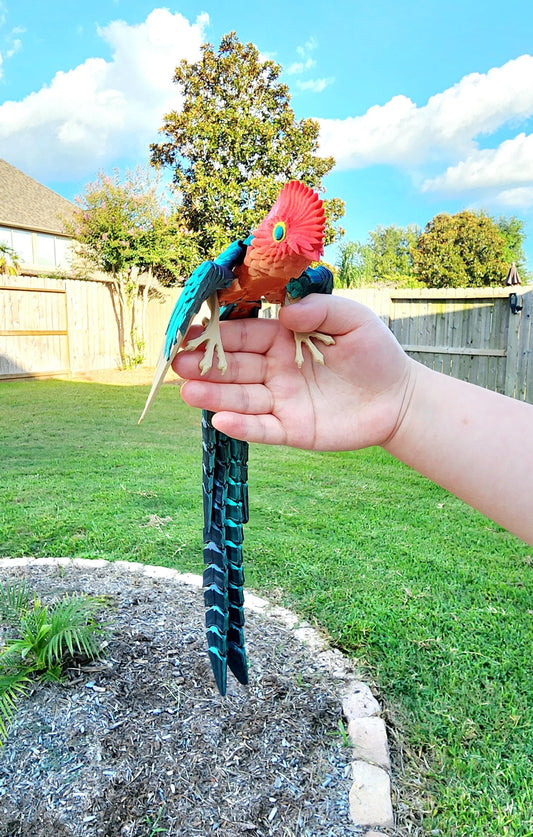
433, 601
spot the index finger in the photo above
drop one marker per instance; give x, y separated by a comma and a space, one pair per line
247, 335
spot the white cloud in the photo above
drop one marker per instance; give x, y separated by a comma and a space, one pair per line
93, 114
520, 198
509, 164
383, 135
300, 67
316, 85
309, 46
401, 133
16, 45
11, 43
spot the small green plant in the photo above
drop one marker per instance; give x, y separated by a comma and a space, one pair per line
343, 732
38, 639
154, 826
11, 686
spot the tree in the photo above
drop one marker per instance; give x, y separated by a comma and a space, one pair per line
512, 229
127, 229
386, 257
465, 249
235, 142
390, 248
354, 265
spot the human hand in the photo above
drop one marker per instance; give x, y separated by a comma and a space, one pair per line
355, 400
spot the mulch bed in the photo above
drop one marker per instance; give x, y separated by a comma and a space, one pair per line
140, 743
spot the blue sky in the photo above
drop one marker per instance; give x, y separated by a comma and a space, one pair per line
426, 106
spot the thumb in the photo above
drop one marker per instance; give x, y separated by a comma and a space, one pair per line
322, 312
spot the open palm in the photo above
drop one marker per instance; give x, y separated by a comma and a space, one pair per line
353, 401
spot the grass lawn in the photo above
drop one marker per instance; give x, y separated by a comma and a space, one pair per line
433, 601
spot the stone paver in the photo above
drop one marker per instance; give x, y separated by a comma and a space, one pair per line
370, 796
369, 740
360, 702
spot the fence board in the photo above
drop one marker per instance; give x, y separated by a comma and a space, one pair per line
519, 373
158, 313
92, 326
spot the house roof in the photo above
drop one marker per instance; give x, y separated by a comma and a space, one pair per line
27, 204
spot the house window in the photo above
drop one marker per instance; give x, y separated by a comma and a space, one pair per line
63, 252
38, 249
22, 245
46, 254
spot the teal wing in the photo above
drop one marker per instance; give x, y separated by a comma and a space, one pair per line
314, 280
209, 277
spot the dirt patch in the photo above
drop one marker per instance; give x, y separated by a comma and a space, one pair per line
141, 743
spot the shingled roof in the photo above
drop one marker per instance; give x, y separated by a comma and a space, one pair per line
29, 205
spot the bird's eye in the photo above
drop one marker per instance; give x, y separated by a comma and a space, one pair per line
279, 232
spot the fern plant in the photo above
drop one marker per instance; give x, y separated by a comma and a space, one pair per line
38, 639
11, 686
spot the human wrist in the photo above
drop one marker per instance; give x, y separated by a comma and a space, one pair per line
409, 399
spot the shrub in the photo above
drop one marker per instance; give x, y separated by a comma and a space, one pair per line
39, 639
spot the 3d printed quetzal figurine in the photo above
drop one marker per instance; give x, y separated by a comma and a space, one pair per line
272, 264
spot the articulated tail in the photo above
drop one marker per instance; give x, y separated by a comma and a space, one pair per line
225, 494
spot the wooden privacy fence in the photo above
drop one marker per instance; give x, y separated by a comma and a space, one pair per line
33, 327
469, 333
54, 326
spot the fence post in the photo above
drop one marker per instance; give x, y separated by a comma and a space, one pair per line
512, 363
519, 369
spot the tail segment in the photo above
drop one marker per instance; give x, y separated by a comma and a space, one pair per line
225, 496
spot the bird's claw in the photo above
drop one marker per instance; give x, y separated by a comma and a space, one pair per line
212, 339
211, 344
301, 337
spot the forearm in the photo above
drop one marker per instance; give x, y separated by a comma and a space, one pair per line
474, 443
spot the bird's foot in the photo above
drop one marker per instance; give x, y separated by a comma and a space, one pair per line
212, 339
301, 338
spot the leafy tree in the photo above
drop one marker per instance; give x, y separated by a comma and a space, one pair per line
465, 249
235, 142
385, 257
353, 265
127, 230
512, 229
390, 249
